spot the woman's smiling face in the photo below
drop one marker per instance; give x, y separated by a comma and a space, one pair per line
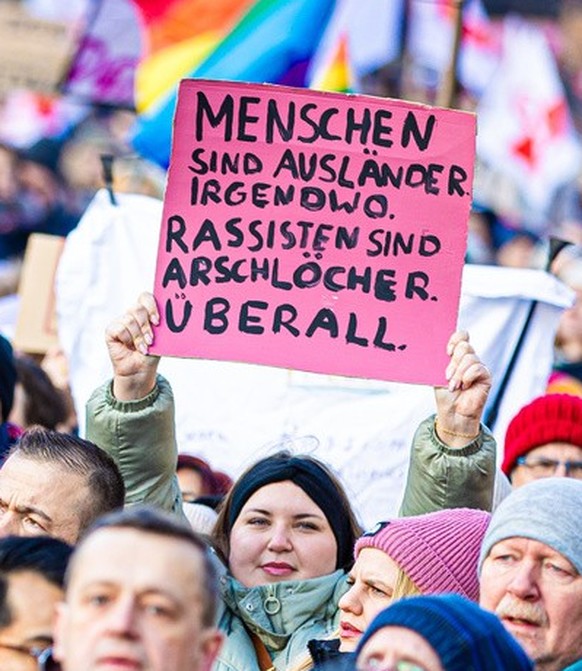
281, 534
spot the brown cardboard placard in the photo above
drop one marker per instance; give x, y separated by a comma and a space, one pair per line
34, 52
36, 327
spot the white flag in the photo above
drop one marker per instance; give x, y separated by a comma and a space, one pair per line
525, 131
371, 32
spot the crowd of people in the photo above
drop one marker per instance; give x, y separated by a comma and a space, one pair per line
118, 551
47, 183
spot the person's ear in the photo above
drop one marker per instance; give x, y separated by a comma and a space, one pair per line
211, 644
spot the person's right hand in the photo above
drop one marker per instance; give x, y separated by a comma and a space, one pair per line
128, 339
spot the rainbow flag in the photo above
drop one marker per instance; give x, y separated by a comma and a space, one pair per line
168, 22
359, 38
180, 35
273, 42
337, 75
133, 52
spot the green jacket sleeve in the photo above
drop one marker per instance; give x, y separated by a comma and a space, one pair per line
442, 477
140, 436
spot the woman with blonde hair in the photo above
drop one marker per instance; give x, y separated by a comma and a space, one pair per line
435, 553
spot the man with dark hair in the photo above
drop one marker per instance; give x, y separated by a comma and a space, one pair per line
56, 484
141, 592
32, 572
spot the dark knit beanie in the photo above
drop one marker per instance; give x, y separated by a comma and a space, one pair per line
313, 480
463, 635
553, 418
7, 378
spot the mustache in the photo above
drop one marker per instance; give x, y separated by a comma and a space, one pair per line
510, 607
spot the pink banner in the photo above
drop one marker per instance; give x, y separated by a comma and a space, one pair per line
314, 231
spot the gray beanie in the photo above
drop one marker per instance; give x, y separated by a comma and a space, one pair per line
546, 510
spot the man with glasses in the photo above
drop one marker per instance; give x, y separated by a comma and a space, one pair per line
544, 440
32, 573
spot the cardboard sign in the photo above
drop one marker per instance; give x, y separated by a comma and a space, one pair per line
33, 52
314, 231
36, 328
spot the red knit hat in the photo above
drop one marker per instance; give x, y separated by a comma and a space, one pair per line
553, 418
438, 551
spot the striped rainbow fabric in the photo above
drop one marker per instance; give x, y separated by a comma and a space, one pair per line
272, 41
180, 34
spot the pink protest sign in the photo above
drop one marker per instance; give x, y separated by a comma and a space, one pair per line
315, 231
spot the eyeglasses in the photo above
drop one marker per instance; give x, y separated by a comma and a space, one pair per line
44, 656
541, 467
374, 665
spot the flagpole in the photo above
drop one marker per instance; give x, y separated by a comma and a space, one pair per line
403, 58
447, 93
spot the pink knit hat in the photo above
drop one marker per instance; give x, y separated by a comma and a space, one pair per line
438, 551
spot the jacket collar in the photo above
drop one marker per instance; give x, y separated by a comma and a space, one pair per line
275, 611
